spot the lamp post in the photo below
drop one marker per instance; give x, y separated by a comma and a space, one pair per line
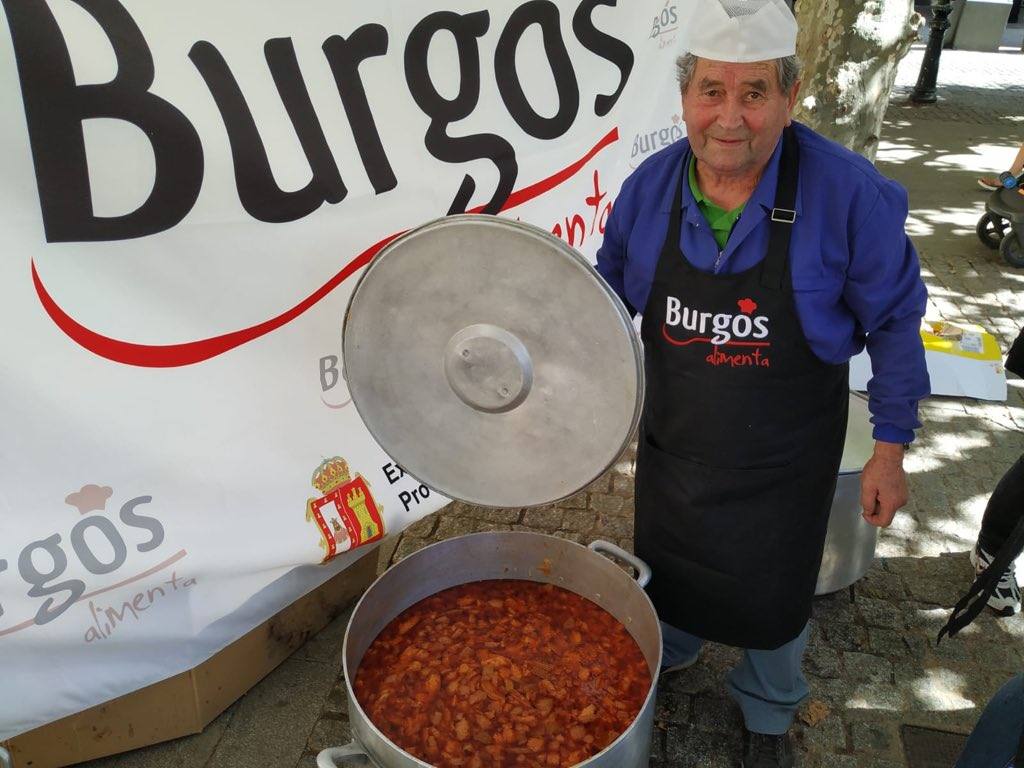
924, 91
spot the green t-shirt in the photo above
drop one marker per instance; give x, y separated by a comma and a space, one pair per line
721, 221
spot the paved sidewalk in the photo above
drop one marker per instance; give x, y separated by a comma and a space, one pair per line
872, 662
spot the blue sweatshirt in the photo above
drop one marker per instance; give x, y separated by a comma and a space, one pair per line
856, 277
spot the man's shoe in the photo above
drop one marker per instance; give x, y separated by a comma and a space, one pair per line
987, 182
685, 664
1006, 598
762, 750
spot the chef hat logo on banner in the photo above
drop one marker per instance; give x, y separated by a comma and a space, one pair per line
739, 31
90, 498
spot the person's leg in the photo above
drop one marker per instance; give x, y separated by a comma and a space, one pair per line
1018, 162
1016, 168
1004, 510
679, 649
1015, 355
994, 740
770, 685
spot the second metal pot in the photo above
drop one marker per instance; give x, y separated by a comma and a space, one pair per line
851, 540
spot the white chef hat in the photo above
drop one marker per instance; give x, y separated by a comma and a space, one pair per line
739, 30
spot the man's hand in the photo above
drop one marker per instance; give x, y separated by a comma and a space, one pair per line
883, 484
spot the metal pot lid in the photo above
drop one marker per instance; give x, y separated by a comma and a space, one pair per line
492, 362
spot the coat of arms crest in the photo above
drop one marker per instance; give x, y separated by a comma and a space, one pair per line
345, 514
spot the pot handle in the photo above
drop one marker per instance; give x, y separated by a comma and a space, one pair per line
327, 757
643, 570
5, 759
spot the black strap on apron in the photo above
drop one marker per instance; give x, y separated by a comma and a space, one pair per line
783, 215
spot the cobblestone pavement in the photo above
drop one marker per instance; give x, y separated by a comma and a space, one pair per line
872, 661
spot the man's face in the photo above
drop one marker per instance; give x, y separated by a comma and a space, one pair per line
735, 114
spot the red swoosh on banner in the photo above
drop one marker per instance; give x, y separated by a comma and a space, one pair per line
191, 352
664, 332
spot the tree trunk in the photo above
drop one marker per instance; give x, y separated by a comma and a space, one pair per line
850, 49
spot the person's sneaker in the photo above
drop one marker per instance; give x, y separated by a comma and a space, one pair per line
685, 664
762, 750
1006, 598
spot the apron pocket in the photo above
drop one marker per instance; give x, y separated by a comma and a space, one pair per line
741, 523
746, 452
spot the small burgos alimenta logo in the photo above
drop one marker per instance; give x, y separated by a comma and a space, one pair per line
346, 514
120, 565
647, 143
666, 25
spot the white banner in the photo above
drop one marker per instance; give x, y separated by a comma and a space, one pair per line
188, 194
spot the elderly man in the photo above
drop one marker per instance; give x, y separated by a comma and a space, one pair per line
762, 257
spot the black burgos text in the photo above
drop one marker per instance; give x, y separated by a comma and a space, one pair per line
56, 107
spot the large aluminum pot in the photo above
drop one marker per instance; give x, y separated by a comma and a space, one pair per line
851, 540
501, 555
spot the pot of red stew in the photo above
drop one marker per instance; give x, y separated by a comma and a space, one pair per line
502, 650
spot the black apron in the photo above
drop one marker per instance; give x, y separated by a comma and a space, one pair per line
740, 443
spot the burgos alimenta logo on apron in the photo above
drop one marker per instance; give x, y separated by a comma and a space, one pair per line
346, 514
738, 340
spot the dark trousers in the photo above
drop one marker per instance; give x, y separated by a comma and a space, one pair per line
1005, 509
994, 741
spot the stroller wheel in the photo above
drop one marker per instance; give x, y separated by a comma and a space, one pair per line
991, 229
1012, 250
